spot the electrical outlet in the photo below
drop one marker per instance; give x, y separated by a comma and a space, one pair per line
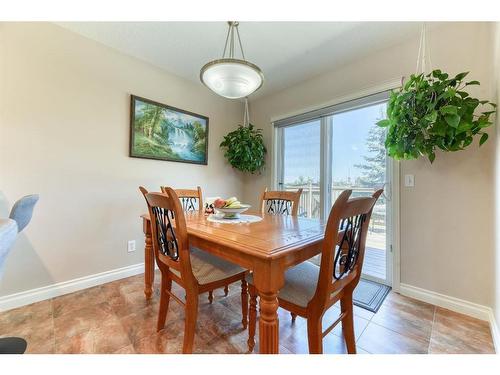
131, 246
409, 180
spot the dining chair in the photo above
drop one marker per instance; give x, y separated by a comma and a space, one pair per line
194, 270
280, 202
186, 205
19, 217
192, 200
8, 234
309, 290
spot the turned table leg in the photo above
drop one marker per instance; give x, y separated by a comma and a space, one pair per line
268, 323
268, 281
149, 260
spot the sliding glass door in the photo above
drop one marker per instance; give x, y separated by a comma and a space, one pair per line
341, 149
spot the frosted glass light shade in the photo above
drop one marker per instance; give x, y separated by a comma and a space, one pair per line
231, 78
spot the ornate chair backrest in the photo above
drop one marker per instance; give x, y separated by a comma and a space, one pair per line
344, 245
169, 232
280, 202
191, 199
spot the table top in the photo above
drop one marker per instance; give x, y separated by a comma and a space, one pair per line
273, 237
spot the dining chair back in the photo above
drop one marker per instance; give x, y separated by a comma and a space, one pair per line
191, 199
169, 233
280, 202
143, 191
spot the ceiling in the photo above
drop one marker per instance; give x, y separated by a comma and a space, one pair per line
287, 52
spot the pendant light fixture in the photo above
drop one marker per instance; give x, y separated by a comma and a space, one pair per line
230, 77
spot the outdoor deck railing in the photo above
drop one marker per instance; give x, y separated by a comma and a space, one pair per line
309, 205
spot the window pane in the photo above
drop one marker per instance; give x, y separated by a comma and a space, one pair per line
301, 164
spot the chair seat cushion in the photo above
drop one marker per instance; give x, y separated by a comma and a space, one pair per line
300, 283
208, 268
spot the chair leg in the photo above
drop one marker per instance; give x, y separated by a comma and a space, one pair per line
226, 290
294, 316
191, 313
348, 323
244, 304
166, 285
252, 318
314, 335
210, 296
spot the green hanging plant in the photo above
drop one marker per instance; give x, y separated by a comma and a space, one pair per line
244, 149
433, 111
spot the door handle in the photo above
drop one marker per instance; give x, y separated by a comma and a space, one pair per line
387, 193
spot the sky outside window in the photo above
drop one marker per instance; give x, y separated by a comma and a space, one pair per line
302, 152
349, 146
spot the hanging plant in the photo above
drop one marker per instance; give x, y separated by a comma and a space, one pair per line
433, 111
244, 149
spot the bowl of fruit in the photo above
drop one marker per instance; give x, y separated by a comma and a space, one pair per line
230, 208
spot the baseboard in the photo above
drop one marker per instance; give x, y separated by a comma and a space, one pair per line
495, 333
50, 291
451, 303
455, 304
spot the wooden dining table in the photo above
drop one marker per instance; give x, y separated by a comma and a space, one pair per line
267, 247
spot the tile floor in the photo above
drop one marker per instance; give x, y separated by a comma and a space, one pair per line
116, 318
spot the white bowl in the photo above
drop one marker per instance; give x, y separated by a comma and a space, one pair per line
233, 213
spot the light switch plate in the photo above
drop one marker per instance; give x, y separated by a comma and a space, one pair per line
409, 180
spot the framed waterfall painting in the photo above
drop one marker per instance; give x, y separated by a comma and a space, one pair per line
158, 131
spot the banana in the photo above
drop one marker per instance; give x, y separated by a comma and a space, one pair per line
230, 201
236, 204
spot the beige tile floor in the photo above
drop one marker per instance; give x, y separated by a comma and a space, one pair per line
116, 318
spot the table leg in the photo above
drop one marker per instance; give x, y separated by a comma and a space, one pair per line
268, 281
149, 261
268, 323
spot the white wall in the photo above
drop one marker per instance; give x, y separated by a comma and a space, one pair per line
447, 219
64, 134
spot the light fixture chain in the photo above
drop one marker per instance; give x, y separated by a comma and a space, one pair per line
227, 40
246, 115
231, 47
239, 41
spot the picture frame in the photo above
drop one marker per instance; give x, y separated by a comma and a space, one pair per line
162, 132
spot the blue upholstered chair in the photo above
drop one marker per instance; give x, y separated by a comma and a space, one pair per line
22, 211
20, 216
